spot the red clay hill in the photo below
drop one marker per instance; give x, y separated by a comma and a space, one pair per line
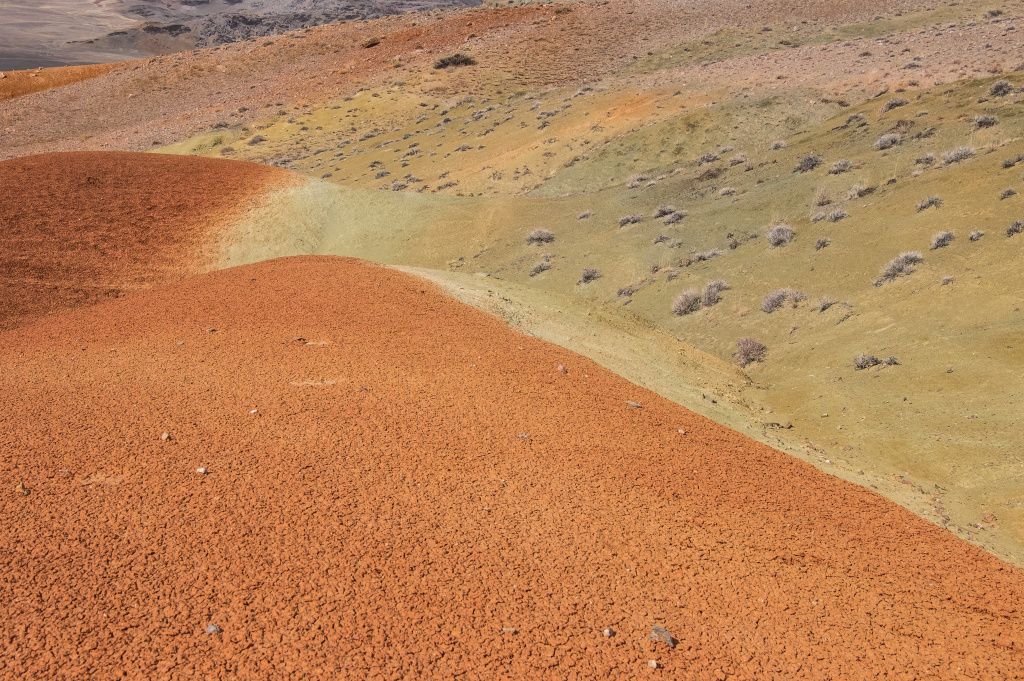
320, 467
79, 227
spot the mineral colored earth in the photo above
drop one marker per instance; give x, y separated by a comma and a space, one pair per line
321, 359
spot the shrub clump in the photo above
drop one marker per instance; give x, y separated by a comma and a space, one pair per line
807, 163
776, 299
457, 59
1007, 193
900, 266
663, 211
588, 275
837, 215
686, 302
749, 350
976, 235
712, 294
780, 235
985, 121
894, 104
840, 167
821, 243
629, 220
859, 191
1000, 88
957, 155
540, 236
868, 361
930, 202
1015, 229
941, 240
887, 141
542, 266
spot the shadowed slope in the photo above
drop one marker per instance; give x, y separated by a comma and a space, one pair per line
400, 485
76, 228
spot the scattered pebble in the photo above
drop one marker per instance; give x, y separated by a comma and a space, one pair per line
608, 632
212, 628
562, 369
509, 630
633, 405
682, 431
659, 633
653, 664
202, 470
22, 490
165, 436
254, 410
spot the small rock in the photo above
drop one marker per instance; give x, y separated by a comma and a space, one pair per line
212, 628
659, 633
165, 436
22, 490
509, 630
202, 470
562, 369
633, 405
682, 431
653, 664
608, 632
254, 410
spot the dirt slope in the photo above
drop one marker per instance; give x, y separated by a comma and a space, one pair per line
79, 227
399, 485
17, 83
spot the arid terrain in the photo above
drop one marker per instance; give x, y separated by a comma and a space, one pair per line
551, 340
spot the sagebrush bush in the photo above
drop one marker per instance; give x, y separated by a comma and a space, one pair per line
662, 211
837, 215
894, 104
822, 243
865, 362
859, 191
704, 256
674, 217
840, 167
930, 202
825, 303
542, 266
808, 163
957, 155
779, 144
887, 141
985, 121
457, 59
629, 220
686, 302
540, 236
976, 235
941, 240
1015, 229
1000, 88
749, 350
588, 275
727, 191
900, 266
1007, 193
780, 235
777, 298
712, 293
585, 215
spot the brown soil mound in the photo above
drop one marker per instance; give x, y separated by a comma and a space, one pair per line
18, 83
79, 227
399, 486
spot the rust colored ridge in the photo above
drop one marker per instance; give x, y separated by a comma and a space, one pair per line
79, 227
17, 83
320, 467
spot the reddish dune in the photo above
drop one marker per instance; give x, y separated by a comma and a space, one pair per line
17, 83
400, 486
79, 227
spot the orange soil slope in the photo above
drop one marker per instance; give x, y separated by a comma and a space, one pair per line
76, 228
400, 486
18, 83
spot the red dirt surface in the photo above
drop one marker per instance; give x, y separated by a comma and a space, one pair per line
17, 83
400, 486
79, 227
